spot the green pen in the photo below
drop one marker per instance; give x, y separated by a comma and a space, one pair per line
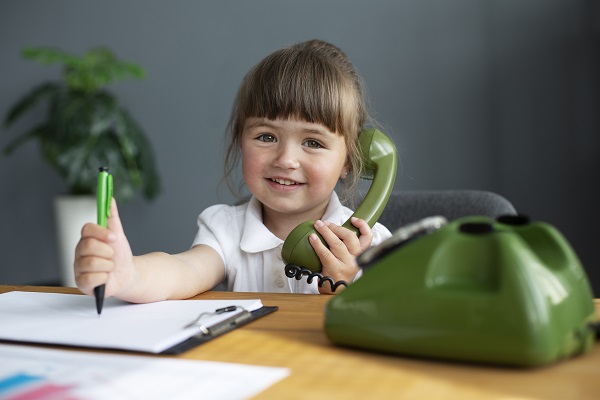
104, 195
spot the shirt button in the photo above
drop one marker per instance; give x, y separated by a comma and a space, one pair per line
279, 281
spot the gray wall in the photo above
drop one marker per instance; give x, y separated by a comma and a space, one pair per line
500, 95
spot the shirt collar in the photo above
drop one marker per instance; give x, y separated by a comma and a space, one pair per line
257, 238
333, 212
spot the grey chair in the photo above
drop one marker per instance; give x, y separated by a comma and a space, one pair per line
405, 207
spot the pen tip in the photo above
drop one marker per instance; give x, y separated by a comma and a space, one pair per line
99, 306
99, 293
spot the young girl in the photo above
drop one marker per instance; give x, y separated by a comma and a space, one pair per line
294, 128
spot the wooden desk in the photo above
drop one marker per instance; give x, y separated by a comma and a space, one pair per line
293, 337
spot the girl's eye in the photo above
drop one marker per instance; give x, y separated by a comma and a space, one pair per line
265, 137
313, 144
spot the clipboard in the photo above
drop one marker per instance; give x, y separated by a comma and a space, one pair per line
156, 328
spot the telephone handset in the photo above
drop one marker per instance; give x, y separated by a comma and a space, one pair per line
379, 155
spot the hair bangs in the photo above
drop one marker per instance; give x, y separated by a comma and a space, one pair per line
297, 87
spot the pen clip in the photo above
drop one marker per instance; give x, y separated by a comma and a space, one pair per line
109, 194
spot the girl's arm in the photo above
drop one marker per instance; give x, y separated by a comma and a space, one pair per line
103, 255
162, 276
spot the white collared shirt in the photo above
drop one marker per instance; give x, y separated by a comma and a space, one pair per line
252, 254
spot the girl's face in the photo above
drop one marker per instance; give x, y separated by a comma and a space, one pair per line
291, 166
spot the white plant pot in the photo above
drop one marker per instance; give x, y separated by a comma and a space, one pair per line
71, 213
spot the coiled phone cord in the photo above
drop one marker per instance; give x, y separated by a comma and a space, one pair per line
296, 271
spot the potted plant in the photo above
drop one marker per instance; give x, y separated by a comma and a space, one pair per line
85, 128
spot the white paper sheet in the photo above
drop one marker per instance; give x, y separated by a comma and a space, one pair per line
69, 319
39, 373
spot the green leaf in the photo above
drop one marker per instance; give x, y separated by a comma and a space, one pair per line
31, 134
49, 55
27, 102
98, 68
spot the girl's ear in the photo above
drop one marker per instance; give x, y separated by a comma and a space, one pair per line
347, 168
344, 173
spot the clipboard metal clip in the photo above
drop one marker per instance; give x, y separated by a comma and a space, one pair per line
223, 326
226, 325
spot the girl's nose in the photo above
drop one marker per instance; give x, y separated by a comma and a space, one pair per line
287, 157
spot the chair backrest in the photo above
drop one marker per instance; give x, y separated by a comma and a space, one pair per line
405, 207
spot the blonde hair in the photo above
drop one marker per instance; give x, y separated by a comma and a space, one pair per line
312, 81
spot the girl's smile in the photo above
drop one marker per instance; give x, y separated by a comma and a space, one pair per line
284, 184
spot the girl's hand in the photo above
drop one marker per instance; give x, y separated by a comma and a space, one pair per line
339, 261
103, 256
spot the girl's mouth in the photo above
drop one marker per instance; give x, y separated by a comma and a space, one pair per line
284, 182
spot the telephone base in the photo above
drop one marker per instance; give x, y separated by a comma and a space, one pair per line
509, 292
